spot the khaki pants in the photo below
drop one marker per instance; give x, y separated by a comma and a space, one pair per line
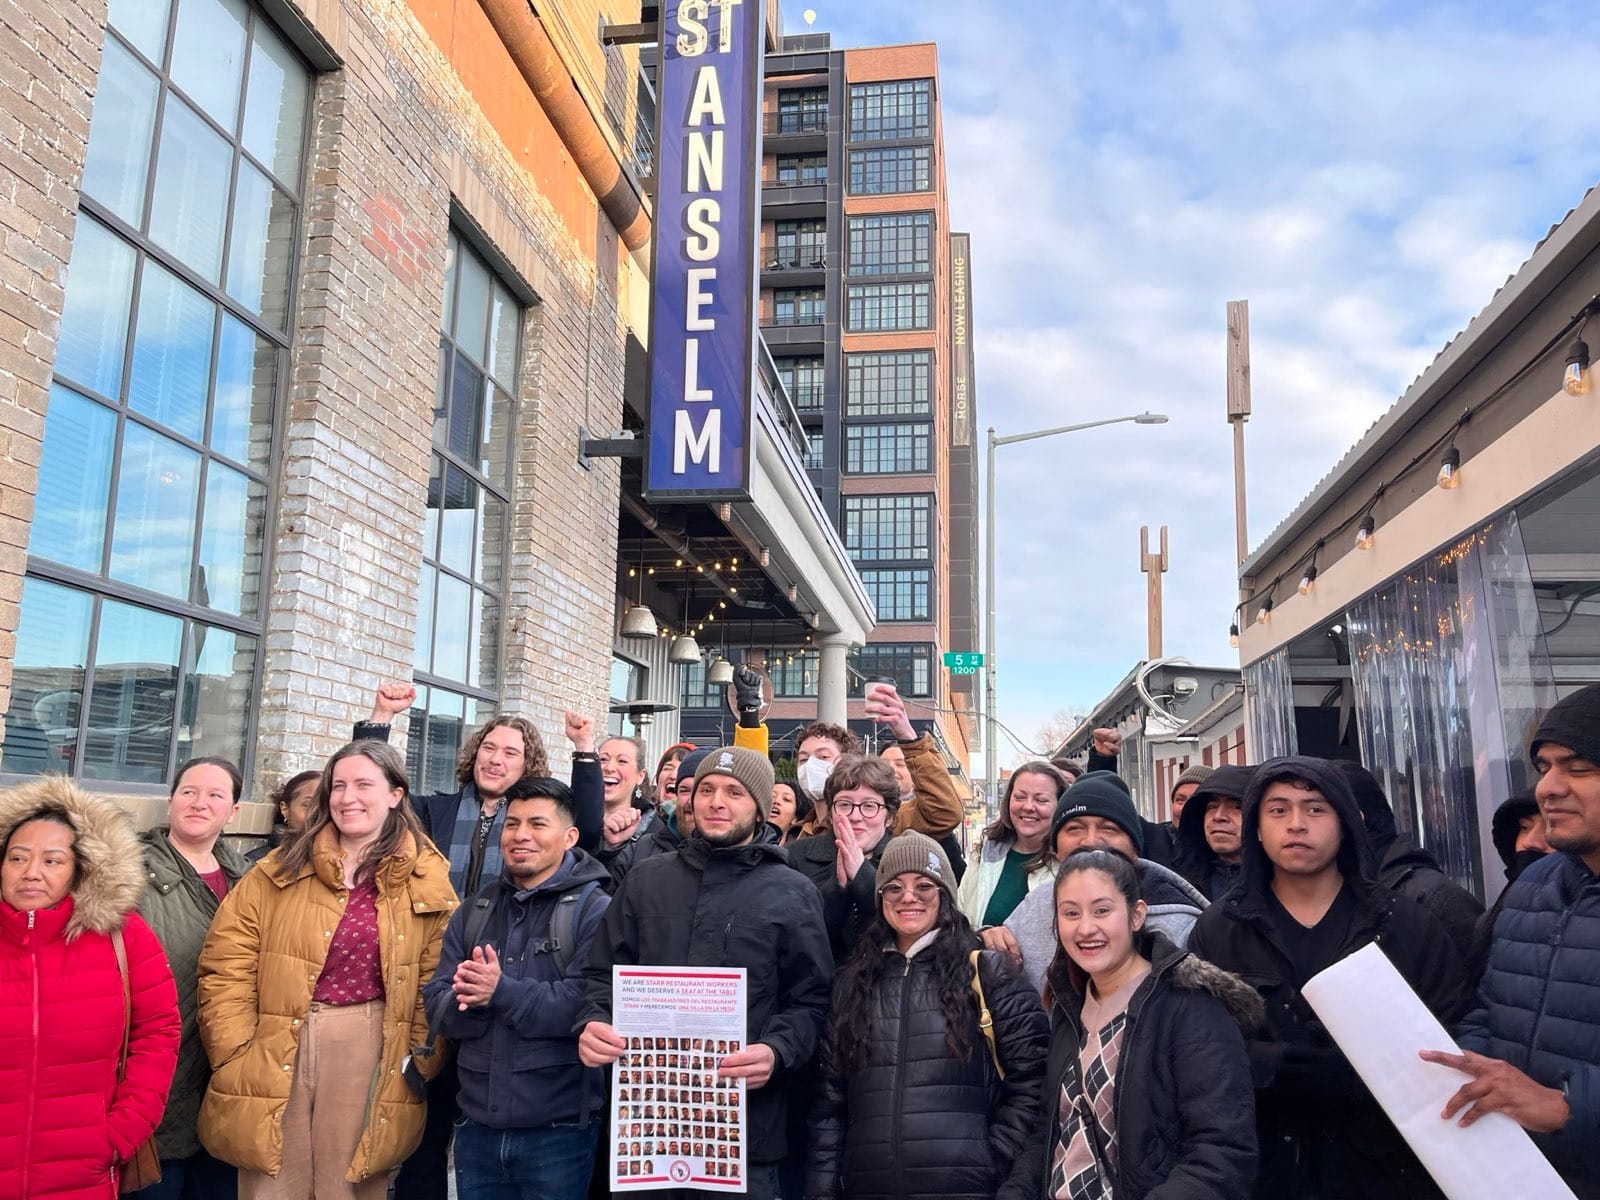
327, 1110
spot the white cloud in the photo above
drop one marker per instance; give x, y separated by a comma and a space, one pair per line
1365, 175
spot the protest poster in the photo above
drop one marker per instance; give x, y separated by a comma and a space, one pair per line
675, 1123
1380, 1024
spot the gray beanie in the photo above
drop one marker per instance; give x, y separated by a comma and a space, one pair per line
749, 767
919, 853
1195, 774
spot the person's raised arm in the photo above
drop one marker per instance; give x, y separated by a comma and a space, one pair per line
588, 788
388, 702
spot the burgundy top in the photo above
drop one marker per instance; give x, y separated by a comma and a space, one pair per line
217, 881
353, 972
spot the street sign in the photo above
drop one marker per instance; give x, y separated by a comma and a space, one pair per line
963, 662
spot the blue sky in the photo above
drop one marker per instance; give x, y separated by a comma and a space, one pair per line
1365, 174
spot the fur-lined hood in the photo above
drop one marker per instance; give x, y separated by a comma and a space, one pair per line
1173, 966
110, 862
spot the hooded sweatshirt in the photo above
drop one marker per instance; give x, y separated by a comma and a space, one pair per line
1405, 867
1300, 1075
1193, 857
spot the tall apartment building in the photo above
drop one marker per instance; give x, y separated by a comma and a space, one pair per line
862, 299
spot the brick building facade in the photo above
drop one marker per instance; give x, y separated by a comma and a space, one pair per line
302, 306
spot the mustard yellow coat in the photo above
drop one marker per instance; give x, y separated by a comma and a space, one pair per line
258, 969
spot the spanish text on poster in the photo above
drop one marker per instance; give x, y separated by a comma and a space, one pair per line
1380, 1024
676, 1123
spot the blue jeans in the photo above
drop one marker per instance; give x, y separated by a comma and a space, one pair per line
552, 1163
198, 1177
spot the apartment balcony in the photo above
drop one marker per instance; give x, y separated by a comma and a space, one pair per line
794, 199
794, 264
798, 131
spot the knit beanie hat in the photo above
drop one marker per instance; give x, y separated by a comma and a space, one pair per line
1096, 795
689, 764
1195, 774
917, 852
750, 768
1573, 723
1507, 823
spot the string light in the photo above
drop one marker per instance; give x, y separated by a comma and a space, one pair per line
1450, 469
1264, 614
1233, 635
1575, 380
1364, 533
1308, 580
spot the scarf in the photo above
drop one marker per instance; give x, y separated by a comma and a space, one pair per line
464, 845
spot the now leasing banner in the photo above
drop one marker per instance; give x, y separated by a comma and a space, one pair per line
703, 278
675, 1123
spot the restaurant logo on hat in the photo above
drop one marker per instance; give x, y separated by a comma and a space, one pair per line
724, 761
933, 865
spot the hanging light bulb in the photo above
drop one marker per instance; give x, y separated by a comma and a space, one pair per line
1450, 469
684, 650
1365, 531
639, 623
1576, 381
720, 673
1264, 614
1308, 580
1233, 635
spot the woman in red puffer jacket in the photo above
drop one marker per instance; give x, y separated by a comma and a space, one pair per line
70, 876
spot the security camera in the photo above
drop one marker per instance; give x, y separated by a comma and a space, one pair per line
1185, 686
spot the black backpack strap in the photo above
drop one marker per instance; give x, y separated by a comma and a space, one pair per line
564, 922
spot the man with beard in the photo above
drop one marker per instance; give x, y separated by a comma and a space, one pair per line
726, 898
1532, 1043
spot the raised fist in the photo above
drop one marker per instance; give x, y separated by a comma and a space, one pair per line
1107, 742
580, 732
391, 699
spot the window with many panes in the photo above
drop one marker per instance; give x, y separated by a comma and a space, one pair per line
803, 110
697, 693
891, 244
799, 243
890, 169
793, 672
804, 380
798, 306
816, 450
900, 108
882, 307
898, 449
894, 383
797, 169
888, 528
909, 664
144, 607
464, 538
900, 594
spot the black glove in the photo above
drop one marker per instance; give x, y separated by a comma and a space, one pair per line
747, 696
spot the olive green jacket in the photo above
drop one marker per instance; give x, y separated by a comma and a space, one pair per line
179, 906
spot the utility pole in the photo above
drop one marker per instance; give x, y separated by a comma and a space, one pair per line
1154, 566
1238, 414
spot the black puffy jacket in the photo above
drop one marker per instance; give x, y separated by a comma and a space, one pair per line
1185, 1107
914, 1120
849, 909
734, 906
1301, 1078
651, 836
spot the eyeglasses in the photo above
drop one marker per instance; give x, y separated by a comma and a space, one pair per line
895, 892
867, 808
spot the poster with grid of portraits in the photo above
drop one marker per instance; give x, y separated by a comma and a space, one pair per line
676, 1123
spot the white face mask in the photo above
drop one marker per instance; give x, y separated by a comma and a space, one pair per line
812, 776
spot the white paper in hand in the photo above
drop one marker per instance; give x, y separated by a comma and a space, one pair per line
1381, 1024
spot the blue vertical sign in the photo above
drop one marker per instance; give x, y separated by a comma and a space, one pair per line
703, 279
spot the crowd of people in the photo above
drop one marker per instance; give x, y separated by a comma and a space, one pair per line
1098, 1007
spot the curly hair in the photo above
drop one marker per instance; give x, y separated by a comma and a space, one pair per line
847, 742
534, 759
850, 1024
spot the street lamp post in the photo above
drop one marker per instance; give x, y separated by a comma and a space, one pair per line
991, 732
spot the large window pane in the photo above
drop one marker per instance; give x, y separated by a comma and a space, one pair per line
121, 133
134, 696
260, 247
188, 211
241, 406
208, 56
422, 650
152, 543
451, 623
275, 105
458, 511
69, 512
230, 542
504, 326
217, 695
94, 318
463, 432
171, 353
47, 679
144, 24
472, 307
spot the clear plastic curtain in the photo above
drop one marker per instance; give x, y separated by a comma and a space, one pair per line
1269, 706
1449, 668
